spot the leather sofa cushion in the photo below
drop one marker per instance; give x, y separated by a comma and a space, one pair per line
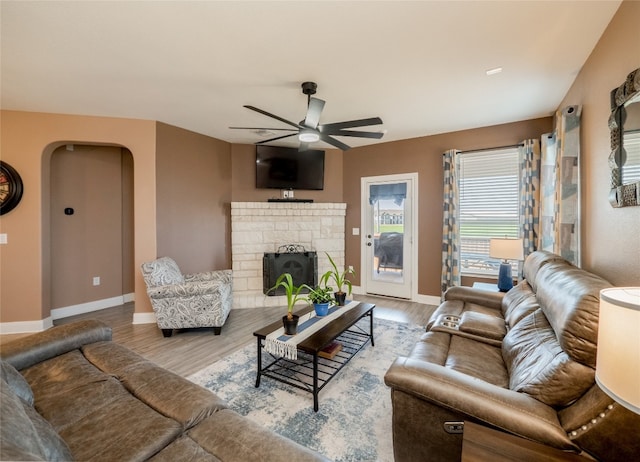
432, 347
164, 391
90, 409
570, 299
534, 262
16, 382
518, 303
538, 365
464, 355
126, 429
61, 382
229, 436
25, 434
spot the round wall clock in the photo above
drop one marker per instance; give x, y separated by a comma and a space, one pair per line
10, 188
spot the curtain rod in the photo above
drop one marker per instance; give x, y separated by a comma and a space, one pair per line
492, 149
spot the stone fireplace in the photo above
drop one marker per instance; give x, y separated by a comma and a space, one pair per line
263, 227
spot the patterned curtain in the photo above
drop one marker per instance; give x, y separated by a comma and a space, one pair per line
548, 180
560, 185
450, 233
529, 154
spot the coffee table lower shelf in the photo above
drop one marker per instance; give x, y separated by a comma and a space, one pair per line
310, 372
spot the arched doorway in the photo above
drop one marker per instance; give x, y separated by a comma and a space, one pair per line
91, 228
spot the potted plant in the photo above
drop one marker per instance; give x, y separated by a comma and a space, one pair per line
290, 321
321, 298
340, 279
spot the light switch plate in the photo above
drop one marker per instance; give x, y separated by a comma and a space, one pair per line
3, 238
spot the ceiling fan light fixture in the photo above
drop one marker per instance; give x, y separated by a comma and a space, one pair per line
308, 136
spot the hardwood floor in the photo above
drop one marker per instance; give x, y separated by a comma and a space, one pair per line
188, 351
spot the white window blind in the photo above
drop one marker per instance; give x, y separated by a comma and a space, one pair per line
489, 190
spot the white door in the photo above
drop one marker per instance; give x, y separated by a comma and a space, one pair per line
388, 218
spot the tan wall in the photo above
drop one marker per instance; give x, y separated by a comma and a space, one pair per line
129, 269
610, 242
424, 156
89, 242
27, 141
193, 199
243, 174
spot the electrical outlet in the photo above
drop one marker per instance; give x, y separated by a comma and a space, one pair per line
350, 267
287, 194
3, 238
96, 280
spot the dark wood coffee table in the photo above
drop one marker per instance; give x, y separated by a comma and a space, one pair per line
311, 372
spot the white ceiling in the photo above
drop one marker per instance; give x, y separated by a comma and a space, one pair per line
420, 66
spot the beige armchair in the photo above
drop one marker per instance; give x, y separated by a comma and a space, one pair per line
187, 301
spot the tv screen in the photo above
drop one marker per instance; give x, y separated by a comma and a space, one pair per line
287, 168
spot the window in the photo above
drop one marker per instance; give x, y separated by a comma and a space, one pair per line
489, 191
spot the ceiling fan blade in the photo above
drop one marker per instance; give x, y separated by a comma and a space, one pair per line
376, 135
273, 116
276, 138
351, 124
313, 113
263, 128
334, 142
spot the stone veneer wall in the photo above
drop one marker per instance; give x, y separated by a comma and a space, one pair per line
259, 227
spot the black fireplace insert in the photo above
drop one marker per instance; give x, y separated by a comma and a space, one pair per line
303, 267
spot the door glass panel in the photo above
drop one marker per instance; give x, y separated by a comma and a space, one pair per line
388, 236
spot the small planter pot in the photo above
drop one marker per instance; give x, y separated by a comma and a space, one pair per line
340, 298
322, 309
290, 325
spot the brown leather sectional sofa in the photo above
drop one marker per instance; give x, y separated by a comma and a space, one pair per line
70, 393
522, 362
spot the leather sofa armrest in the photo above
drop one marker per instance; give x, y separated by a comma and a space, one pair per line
471, 295
505, 409
27, 351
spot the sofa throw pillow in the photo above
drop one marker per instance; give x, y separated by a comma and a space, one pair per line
25, 434
16, 382
538, 366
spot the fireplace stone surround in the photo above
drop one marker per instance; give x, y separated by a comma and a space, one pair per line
259, 227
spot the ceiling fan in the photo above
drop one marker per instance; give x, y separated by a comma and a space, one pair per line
309, 130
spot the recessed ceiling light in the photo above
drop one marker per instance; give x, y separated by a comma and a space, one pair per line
495, 70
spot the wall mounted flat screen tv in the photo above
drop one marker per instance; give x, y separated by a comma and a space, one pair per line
287, 168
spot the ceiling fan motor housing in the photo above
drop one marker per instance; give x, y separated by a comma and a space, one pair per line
309, 88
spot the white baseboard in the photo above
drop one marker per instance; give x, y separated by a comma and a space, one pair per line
65, 312
419, 298
126, 298
427, 299
144, 318
25, 327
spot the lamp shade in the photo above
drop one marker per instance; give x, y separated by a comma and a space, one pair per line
506, 249
618, 360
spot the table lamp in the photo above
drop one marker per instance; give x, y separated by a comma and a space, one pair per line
618, 360
506, 249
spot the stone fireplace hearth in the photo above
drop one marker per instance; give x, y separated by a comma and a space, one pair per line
259, 227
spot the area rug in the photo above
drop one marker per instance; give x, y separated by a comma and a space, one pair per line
353, 422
